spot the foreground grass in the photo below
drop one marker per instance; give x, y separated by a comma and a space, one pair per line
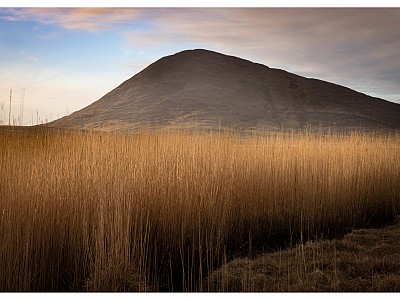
159, 211
365, 260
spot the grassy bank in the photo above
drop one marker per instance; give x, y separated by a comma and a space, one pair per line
365, 260
159, 211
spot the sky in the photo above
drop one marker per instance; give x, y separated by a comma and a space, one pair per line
59, 60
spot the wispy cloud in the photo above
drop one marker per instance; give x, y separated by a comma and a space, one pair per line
29, 57
89, 19
126, 51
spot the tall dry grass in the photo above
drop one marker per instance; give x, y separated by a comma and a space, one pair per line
159, 210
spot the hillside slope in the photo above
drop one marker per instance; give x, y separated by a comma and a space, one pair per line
210, 89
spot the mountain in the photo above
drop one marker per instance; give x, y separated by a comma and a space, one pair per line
210, 89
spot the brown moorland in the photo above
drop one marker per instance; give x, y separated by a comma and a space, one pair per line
160, 210
365, 260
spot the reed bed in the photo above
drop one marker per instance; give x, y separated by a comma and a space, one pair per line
158, 211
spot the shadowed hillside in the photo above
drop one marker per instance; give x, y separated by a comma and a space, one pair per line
209, 89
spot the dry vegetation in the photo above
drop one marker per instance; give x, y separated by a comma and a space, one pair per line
158, 211
365, 260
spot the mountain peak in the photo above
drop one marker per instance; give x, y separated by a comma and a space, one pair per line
211, 89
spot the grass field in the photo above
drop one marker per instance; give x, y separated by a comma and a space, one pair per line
364, 260
158, 211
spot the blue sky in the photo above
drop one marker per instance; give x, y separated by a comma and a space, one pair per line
68, 58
